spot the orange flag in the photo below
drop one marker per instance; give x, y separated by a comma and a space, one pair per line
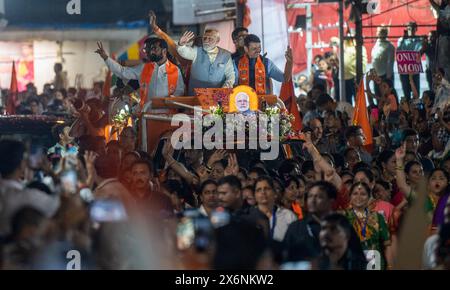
13, 91
361, 115
287, 95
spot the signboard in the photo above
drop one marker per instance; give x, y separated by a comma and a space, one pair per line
409, 62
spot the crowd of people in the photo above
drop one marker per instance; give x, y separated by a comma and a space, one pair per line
332, 206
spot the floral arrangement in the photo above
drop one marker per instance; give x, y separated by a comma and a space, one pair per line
217, 111
120, 120
285, 120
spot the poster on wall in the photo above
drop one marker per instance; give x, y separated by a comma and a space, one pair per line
23, 54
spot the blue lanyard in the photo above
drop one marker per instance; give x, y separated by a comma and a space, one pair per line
274, 222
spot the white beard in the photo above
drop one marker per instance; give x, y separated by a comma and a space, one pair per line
208, 48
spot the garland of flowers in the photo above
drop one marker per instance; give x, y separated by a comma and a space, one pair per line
285, 121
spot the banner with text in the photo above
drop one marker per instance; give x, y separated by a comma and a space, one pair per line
409, 62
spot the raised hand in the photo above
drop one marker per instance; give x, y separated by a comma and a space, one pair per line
152, 20
216, 156
101, 51
400, 152
232, 167
89, 158
202, 172
187, 37
308, 142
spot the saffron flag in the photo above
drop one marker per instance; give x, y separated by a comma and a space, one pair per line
288, 97
361, 115
12, 94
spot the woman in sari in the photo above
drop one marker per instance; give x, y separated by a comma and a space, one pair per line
369, 225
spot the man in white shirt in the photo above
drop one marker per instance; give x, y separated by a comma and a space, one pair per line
212, 66
158, 77
383, 56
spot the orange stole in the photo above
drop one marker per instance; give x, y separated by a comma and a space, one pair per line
146, 77
260, 74
297, 210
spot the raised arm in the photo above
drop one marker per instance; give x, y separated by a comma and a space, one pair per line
289, 65
170, 42
329, 172
185, 51
179, 168
400, 171
129, 73
89, 158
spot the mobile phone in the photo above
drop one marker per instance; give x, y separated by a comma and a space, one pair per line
107, 210
185, 233
69, 181
194, 231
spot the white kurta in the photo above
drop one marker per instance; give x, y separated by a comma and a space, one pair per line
158, 83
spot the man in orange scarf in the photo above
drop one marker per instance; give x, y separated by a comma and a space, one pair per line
256, 71
157, 76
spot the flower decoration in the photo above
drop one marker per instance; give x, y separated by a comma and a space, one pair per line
120, 120
249, 122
